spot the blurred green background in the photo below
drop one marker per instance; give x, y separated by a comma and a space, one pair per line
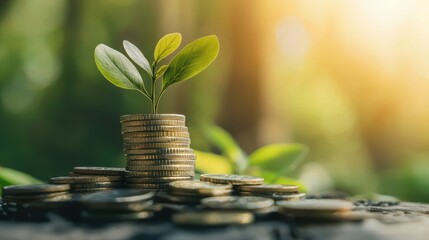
348, 79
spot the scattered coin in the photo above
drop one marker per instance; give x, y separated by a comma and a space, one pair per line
136, 117
114, 217
237, 203
270, 188
121, 199
99, 171
212, 218
97, 185
147, 185
232, 179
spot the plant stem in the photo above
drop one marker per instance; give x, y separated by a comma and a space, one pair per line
159, 97
153, 90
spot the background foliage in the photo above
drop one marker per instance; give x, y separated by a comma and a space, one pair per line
348, 79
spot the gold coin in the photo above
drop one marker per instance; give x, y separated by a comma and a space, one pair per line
212, 218
156, 134
96, 185
159, 162
147, 185
259, 194
139, 123
160, 174
161, 168
315, 206
200, 187
83, 179
159, 151
142, 130
232, 179
90, 190
32, 197
157, 140
34, 189
99, 171
288, 197
163, 156
155, 145
237, 203
136, 117
156, 180
222, 192
270, 188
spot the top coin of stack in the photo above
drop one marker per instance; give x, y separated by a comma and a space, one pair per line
157, 149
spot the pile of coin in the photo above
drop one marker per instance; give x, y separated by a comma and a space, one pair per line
157, 150
92, 179
118, 205
16, 196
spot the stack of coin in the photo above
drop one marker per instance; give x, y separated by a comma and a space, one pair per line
117, 205
323, 209
279, 192
157, 149
14, 197
92, 179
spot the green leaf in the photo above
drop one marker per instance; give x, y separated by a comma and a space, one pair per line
116, 68
193, 59
167, 45
221, 139
137, 56
278, 158
9, 176
161, 70
212, 163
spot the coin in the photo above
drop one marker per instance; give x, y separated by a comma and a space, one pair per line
200, 187
157, 179
96, 185
232, 179
288, 197
161, 168
259, 194
167, 197
159, 151
114, 217
99, 170
35, 189
222, 192
18, 198
134, 117
160, 162
138, 123
147, 185
237, 203
160, 174
83, 179
315, 206
212, 218
156, 145
120, 199
153, 129
90, 190
157, 140
270, 188
157, 134
176, 156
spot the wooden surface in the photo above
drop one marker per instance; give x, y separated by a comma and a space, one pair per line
405, 221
